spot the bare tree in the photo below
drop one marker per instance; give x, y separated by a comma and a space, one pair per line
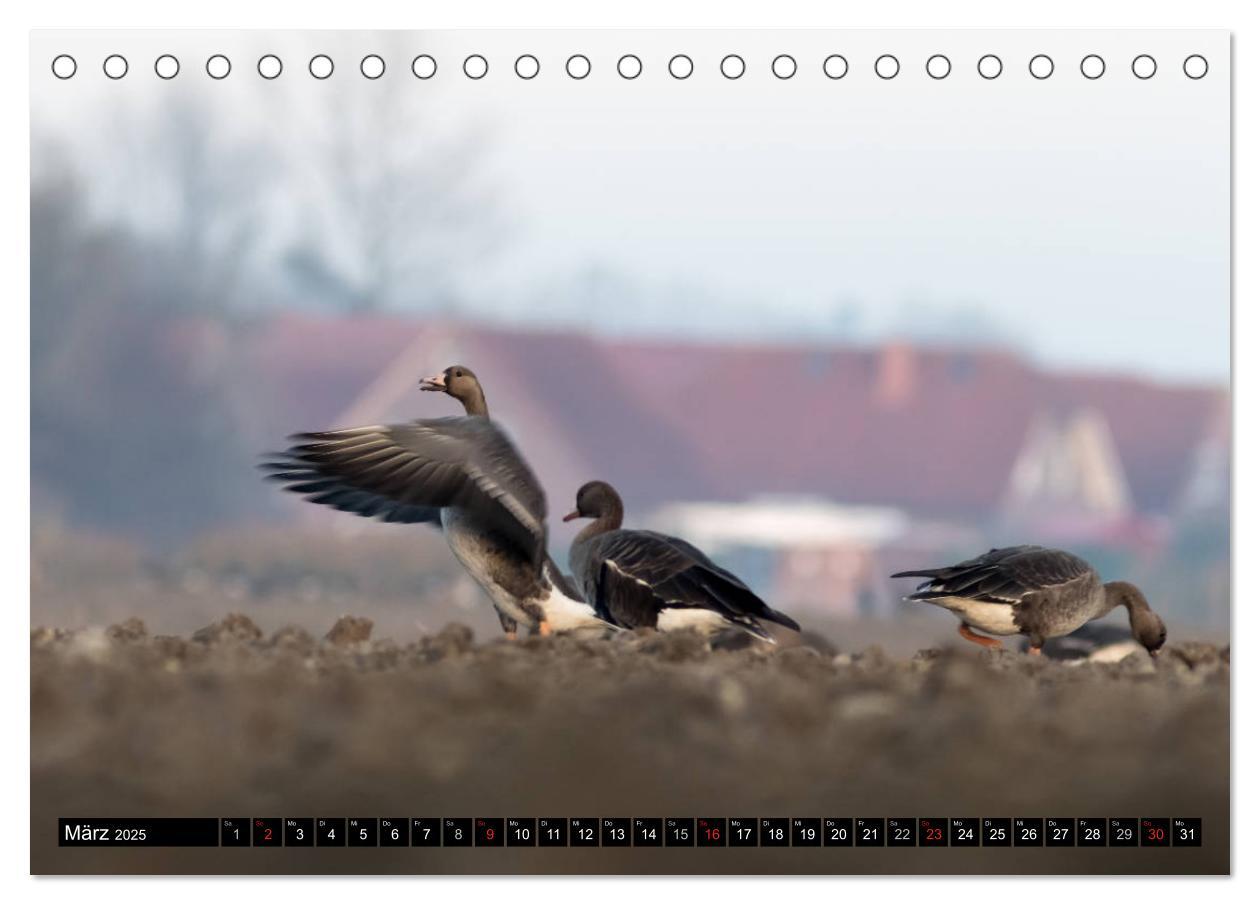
398, 206
175, 176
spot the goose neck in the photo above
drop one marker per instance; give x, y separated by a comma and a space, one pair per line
1122, 593
476, 404
609, 520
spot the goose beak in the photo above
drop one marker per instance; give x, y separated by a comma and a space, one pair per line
571, 516
434, 384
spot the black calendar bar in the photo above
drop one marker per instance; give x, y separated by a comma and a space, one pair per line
631, 832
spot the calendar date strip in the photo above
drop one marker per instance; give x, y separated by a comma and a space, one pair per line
632, 832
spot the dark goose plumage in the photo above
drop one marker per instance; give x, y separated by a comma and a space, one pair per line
1034, 591
461, 473
643, 578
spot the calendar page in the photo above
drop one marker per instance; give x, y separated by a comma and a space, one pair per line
593, 452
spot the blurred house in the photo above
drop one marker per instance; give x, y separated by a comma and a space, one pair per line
1068, 464
1207, 486
1069, 487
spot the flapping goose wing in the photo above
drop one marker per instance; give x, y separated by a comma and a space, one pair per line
636, 574
1003, 575
410, 472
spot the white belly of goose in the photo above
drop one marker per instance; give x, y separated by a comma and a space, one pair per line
564, 614
673, 619
994, 618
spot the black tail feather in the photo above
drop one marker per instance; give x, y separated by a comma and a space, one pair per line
772, 615
735, 600
923, 573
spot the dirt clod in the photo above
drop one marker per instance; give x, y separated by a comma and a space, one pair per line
233, 627
131, 629
350, 630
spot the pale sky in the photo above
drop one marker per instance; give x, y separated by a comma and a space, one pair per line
1087, 220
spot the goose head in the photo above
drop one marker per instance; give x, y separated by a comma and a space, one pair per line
461, 383
1148, 629
598, 500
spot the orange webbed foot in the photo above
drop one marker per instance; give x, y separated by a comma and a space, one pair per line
982, 640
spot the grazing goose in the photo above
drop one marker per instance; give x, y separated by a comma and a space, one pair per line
461, 473
641, 578
1033, 591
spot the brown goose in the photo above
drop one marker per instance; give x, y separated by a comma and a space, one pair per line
1034, 591
461, 473
642, 578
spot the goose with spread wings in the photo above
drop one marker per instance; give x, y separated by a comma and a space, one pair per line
641, 578
460, 473
1034, 591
